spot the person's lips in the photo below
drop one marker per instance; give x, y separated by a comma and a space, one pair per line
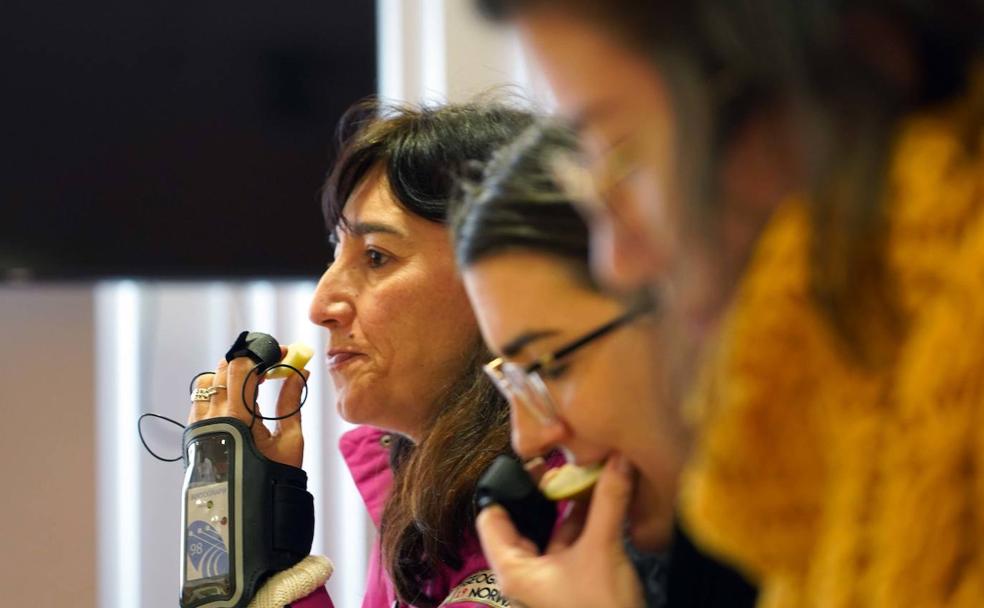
339, 358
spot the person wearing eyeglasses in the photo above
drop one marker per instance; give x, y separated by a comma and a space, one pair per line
580, 369
803, 182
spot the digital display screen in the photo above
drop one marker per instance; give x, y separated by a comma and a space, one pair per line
208, 544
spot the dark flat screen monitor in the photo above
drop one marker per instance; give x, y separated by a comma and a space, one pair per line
163, 139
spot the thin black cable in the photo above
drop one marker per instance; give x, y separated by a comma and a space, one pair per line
191, 388
254, 411
144, 442
191, 385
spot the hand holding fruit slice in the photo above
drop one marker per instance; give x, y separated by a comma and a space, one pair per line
298, 355
569, 480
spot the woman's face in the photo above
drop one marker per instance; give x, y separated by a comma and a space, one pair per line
617, 101
604, 397
398, 320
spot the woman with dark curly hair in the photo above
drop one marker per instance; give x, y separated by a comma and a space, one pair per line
404, 353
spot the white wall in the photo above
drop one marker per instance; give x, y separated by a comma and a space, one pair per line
47, 452
441, 50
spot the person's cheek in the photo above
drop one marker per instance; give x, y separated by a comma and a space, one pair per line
654, 223
381, 328
595, 399
439, 332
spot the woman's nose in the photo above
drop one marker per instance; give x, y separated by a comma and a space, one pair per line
333, 303
531, 436
618, 258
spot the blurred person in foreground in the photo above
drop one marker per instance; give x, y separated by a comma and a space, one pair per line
405, 357
803, 184
576, 364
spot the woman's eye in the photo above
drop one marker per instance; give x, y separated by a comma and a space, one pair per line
557, 370
376, 258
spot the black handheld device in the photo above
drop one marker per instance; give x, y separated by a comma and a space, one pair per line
245, 517
261, 348
506, 483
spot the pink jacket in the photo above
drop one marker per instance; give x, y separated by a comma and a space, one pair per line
366, 453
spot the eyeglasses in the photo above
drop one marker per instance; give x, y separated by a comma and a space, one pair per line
524, 385
616, 165
594, 184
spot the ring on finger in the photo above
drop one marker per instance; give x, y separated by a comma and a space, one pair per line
194, 379
203, 394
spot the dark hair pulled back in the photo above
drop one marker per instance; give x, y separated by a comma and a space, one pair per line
517, 203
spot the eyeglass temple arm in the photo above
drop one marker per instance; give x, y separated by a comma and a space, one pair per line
612, 325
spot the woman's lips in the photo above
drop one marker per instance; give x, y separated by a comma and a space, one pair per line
339, 359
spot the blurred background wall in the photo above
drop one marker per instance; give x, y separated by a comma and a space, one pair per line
48, 555
88, 518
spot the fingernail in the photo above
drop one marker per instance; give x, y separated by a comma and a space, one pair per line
620, 463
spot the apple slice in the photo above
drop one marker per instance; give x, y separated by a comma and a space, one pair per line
569, 480
298, 355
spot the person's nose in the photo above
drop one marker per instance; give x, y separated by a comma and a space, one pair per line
618, 259
333, 304
532, 436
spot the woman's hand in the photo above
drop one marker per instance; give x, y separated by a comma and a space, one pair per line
286, 443
585, 564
